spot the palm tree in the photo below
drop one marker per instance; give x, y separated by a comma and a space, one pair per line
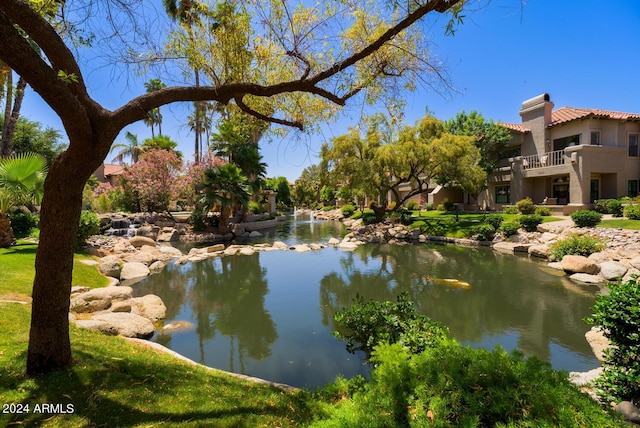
131, 148
21, 182
154, 116
161, 142
223, 186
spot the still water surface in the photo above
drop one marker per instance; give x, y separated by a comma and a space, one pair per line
270, 315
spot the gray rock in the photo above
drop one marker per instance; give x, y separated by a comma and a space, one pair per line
140, 257
128, 325
280, 245
347, 245
80, 305
168, 234
586, 278
579, 264
178, 326
133, 270
542, 251
108, 293
124, 306
99, 326
110, 268
629, 411
611, 270
504, 247
598, 342
151, 307
555, 265
148, 232
157, 266
255, 234
301, 248
247, 251
635, 262
171, 251
138, 241
599, 257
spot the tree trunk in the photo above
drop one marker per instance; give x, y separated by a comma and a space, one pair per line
7, 238
10, 129
7, 107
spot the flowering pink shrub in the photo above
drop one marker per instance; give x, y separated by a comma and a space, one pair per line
102, 189
187, 183
151, 180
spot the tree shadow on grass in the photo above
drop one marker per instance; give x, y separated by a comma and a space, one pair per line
104, 390
21, 249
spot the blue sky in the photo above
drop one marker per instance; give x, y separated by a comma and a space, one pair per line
584, 53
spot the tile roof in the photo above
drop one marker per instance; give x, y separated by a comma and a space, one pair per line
567, 114
515, 127
111, 169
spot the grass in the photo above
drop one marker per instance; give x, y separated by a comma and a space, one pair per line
116, 383
621, 223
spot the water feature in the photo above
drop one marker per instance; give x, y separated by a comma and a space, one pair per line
270, 315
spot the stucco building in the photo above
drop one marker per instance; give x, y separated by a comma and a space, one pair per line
571, 156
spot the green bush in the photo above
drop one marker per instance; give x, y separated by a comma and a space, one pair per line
586, 218
357, 215
510, 210
509, 228
89, 225
255, 207
402, 216
577, 245
22, 223
368, 324
618, 315
456, 386
347, 210
198, 220
543, 211
448, 205
482, 232
632, 212
614, 207
530, 222
494, 220
368, 217
600, 205
413, 205
525, 206
428, 207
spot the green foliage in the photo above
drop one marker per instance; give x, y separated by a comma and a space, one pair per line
543, 211
509, 228
447, 205
30, 137
494, 220
579, 245
89, 225
327, 194
22, 223
413, 205
368, 324
198, 220
525, 206
482, 232
618, 314
614, 207
102, 204
586, 218
255, 207
368, 216
529, 222
511, 210
348, 210
632, 212
357, 215
451, 385
402, 216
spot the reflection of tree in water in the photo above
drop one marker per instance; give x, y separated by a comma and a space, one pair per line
227, 295
501, 297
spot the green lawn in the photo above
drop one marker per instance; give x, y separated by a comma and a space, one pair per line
622, 223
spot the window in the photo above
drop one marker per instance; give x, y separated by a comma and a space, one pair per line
509, 153
562, 143
633, 145
595, 138
632, 188
502, 194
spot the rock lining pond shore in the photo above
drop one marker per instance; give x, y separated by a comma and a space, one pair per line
127, 260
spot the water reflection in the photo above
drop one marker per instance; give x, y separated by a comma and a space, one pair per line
270, 315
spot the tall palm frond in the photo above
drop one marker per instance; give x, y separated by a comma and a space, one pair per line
22, 177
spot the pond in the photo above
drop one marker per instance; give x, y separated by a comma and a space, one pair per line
270, 315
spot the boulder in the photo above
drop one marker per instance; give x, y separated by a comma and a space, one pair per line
611, 270
151, 307
504, 247
334, 241
215, 248
247, 251
148, 232
586, 278
138, 241
157, 266
108, 293
280, 245
598, 342
132, 270
579, 264
123, 306
347, 245
585, 378
178, 326
99, 326
168, 234
542, 251
144, 258
128, 325
555, 265
301, 248
629, 411
110, 268
635, 262
255, 234
80, 305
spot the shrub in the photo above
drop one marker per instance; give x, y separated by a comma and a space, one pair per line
525, 206
586, 218
543, 211
448, 205
89, 225
509, 228
347, 210
494, 220
632, 212
413, 205
328, 208
198, 220
368, 324
510, 210
482, 232
255, 207
618, 316
577, 245
356, 215
614, 207
402, 216
530, 222
368, 217
428, 207
22, 223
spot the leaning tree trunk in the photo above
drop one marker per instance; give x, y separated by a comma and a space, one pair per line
7, 238
12, 123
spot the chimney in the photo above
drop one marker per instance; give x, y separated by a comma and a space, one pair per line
537, 109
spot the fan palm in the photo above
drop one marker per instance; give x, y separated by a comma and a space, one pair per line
131, 148
21, 182
224, 186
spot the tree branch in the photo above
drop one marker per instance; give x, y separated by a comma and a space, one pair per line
245, 108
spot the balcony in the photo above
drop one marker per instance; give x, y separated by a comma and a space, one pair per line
543, 160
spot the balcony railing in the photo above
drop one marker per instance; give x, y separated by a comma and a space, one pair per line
543, 160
